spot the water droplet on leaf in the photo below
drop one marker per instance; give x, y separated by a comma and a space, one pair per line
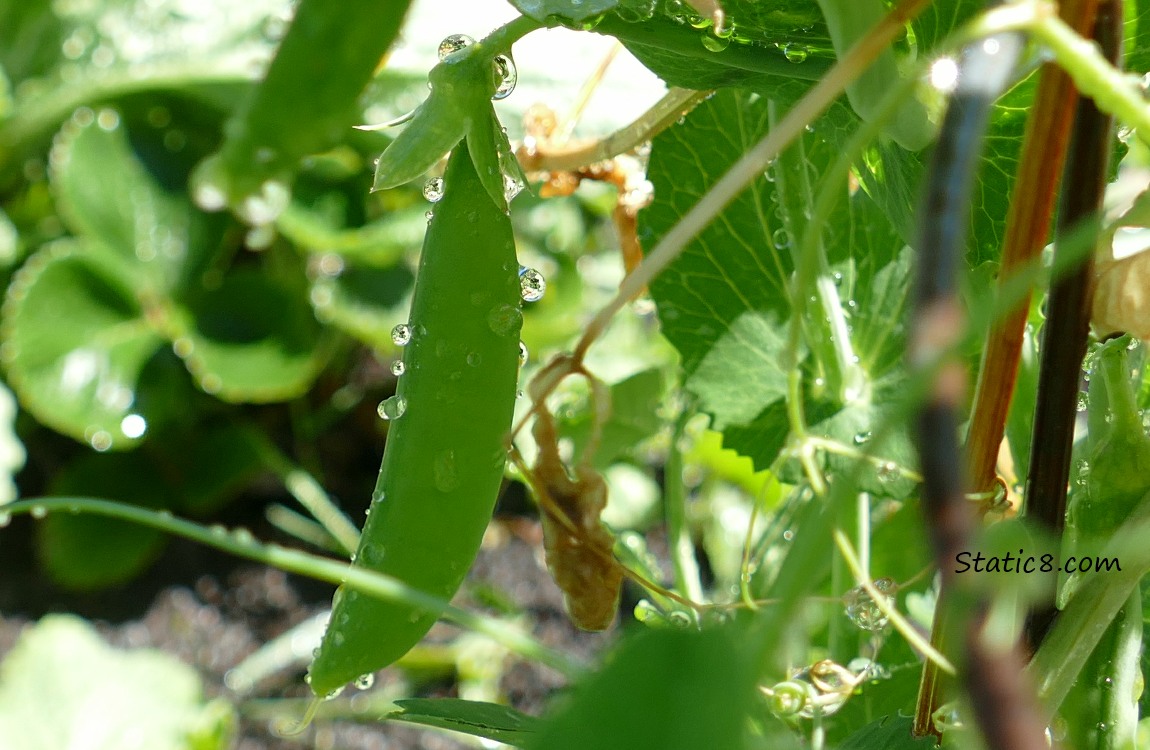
862, 610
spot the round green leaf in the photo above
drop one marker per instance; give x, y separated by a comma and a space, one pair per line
251, 339
75, 341
119, 177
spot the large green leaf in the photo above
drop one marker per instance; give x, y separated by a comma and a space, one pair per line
661, 690
61, 686
762, 46
76, 340
724, 302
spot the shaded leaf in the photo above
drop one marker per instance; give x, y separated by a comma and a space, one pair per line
87, 552
888, 733
252, 339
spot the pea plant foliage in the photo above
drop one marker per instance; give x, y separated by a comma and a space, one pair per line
856, 303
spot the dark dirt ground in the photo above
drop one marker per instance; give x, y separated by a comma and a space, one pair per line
210, 611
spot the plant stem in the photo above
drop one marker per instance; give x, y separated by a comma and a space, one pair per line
687, 579
240, 543
569, 158
1067, 327
1029, 213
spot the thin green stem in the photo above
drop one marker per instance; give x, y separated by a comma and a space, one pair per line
307, 491
509, 33
239, 542
687, 579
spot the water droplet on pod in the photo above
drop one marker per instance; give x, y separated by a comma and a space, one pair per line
398, 368
401, 335
392, 408
433, 189
506, 75
532, 285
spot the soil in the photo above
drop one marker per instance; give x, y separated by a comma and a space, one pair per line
211, 611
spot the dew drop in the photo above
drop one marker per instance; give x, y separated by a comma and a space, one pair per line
511, 187
5, 519
506, 75
522, 354
433, 189
715, 43
795, 53
888, 471
453, 44
781, 239
398, 368
39, 511
532, 285
862, 610
446, 475
636, 11
364, 681
101, 440
401, 335
392, 408
504, 320
474, 359
861, 438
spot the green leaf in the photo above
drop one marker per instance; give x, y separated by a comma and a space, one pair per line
487, 720
660, 690
635, 404
62, 686
888, 733
565, 10
86, 552
724, 302
252, 339
75, 343
118, 185
763, 46
66, 56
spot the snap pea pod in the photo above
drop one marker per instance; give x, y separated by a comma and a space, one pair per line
848, 21
445, 453
1102, 708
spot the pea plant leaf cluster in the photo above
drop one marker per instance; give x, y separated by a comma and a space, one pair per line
218, 270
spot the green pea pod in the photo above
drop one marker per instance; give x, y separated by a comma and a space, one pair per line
848, 21
1101, 710
1117, 449
304, 104
445, 454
